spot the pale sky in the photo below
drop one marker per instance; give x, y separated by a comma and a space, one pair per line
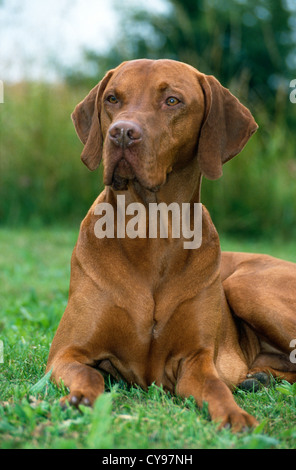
36, 33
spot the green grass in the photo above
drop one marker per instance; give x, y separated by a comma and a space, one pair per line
34, 279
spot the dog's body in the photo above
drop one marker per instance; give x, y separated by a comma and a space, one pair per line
148, 310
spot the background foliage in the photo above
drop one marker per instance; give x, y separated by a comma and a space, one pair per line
248, 46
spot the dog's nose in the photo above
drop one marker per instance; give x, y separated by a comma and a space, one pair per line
125, 133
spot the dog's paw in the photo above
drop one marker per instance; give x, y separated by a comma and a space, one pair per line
238, 420
255, 382
77, 398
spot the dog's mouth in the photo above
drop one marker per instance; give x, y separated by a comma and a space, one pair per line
124, 170
121, 174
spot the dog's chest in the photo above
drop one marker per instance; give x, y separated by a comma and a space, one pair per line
147, 325
146, 345
144, 367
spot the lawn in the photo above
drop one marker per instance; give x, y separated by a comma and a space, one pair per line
34, 279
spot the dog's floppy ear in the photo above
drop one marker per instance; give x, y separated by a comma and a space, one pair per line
86, 119
226, 128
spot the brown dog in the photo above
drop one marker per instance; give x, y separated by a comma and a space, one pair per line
146, 309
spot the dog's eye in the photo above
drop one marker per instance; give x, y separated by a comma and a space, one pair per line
172, 101
112, 99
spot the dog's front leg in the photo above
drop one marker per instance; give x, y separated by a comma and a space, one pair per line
199, 378
84, 382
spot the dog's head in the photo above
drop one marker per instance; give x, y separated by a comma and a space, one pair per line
147, 118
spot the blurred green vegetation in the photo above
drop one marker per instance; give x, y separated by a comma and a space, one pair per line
248, 46
42, 178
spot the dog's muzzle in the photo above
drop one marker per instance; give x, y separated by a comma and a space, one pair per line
124, 134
